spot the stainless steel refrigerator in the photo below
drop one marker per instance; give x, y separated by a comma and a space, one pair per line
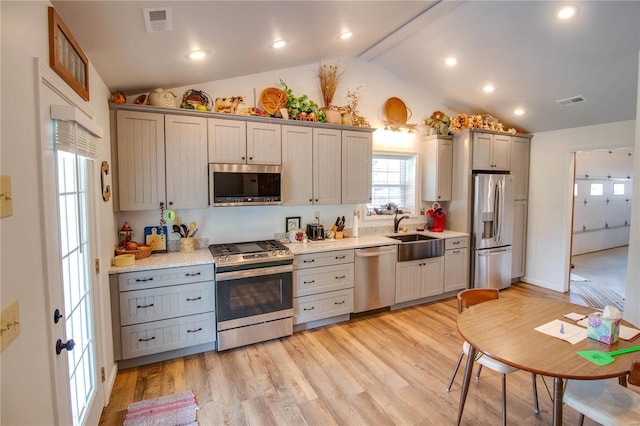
492, 230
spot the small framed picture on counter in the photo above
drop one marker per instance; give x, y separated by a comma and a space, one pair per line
292, 223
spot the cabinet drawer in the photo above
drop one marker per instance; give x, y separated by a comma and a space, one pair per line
454, 243
160, 336
324, 305
322, 259
322, 280
166, 302
165, 277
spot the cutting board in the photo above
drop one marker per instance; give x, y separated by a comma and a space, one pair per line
156, 237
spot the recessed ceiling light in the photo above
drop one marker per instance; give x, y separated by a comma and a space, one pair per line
566, 12
346, 35
518, 111
278, 44
450, 61
489, 88
196, 55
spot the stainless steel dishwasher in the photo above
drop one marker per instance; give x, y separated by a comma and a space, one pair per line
375, 278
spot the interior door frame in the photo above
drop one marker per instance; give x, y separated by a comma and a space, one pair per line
48, 86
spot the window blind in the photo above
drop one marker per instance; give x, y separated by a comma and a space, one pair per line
73, 138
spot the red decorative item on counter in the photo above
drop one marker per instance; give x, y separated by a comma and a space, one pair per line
436, 218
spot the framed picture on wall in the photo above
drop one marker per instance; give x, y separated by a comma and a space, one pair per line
66, 57
292, 223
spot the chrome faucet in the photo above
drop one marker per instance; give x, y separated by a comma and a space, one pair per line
396, 221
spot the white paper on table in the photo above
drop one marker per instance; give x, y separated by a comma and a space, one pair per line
571, 333
574, 317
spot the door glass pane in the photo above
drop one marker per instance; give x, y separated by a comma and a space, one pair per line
76, 263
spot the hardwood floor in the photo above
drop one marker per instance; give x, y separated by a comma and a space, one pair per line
385, 368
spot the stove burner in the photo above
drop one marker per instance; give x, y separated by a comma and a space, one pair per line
250, 253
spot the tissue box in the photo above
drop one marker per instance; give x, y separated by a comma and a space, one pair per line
603, 329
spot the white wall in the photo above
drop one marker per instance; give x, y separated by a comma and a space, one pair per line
551, 193
26, 378
376, 85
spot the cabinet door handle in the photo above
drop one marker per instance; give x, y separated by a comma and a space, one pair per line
456, 242
308, 261
142, 280
146, 340
309, 309
309, 282
341, 277
194, 331
340, 257
193, 299
455, 251
339, 303
192, 274
145, 306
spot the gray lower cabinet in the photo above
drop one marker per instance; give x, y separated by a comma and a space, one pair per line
456, 264
163, 310
322, 285
417, 279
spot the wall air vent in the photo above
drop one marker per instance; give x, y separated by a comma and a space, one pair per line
157, 19
572, 100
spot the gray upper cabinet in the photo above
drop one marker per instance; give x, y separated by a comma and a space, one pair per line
327, 150
356, 167
491, 152
241, 142
140, 160
227, 141
437, 168
297, 165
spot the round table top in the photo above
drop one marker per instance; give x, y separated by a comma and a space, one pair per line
504, 330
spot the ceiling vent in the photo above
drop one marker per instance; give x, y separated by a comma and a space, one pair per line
572, 100
157, 19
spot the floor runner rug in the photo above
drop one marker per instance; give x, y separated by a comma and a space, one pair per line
598, 297
171, 410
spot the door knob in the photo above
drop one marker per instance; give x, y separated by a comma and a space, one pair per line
68, 345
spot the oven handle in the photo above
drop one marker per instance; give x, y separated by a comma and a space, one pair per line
249, 273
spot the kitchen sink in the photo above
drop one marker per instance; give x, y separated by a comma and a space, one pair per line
418, 246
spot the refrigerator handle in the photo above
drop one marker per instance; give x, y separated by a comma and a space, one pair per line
496, 210
500, 195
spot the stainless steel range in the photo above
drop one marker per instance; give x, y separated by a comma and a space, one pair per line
254, 292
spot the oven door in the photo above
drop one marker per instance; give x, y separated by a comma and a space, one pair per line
253, 292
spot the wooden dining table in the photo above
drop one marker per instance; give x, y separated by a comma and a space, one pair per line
504, 329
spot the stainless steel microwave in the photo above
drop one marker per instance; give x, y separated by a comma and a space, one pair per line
244, 185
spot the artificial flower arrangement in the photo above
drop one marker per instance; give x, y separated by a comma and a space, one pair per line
439, 121
463, 121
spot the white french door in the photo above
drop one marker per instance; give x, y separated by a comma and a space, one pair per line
75, 263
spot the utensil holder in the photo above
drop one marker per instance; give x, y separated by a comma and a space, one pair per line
187, 244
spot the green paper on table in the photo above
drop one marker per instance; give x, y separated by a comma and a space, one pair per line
604, 358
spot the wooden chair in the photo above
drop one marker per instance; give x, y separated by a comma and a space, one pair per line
472, 297
605, 401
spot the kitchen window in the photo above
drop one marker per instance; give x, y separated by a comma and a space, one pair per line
393, 183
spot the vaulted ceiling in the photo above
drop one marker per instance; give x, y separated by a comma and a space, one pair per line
532, 58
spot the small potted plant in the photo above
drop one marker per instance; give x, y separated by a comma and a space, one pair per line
439, 122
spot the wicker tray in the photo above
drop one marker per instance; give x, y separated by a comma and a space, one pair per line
396, 111
140, 253
272, 99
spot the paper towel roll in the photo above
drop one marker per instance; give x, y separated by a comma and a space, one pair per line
354, 231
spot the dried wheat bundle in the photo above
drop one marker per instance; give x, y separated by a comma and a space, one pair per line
329, 79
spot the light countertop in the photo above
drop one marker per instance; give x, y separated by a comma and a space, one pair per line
167, 260
203, 256
361, 242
